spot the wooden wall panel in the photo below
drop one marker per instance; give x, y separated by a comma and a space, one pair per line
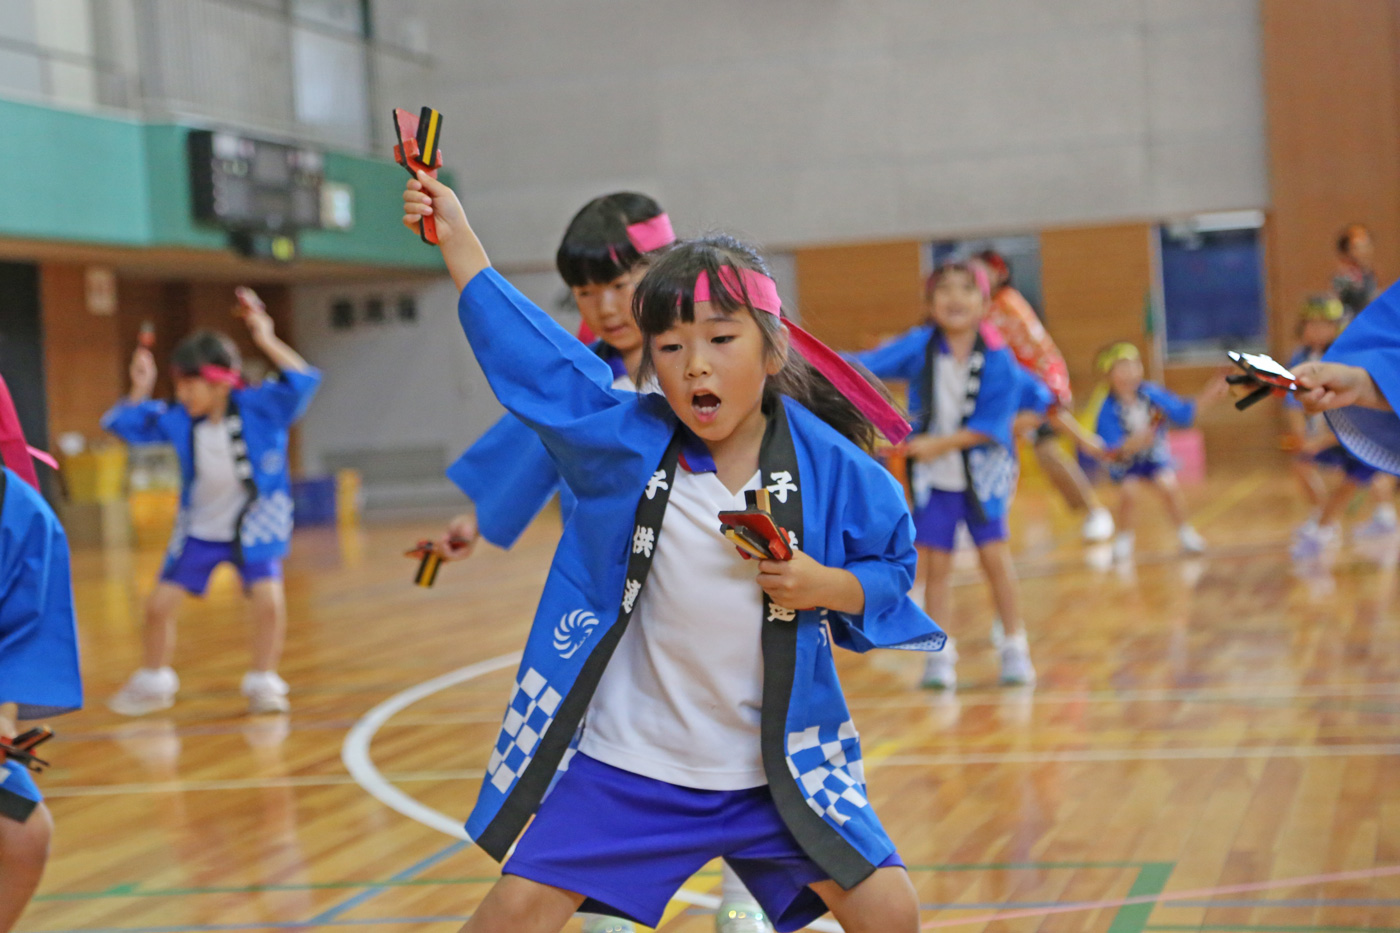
1330, 79
84, 368
854, 297
1095, 281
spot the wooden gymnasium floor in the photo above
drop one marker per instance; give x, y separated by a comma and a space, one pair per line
1208, 738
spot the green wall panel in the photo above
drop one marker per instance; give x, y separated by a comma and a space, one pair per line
86, 178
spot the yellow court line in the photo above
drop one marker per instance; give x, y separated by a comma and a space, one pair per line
1237, 492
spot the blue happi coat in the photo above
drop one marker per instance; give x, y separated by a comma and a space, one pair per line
608, 444
267, 412
38, 631
1178, 411
993, 464
1372, 341
509, 476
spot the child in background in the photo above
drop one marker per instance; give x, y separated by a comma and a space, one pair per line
715, 721
235, 496
1355, 279
1132, 423
964, 393
606, 249
1014, 318
602, 257
39, 675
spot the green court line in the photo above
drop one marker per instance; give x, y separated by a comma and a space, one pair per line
134, 889
1028, 866
1151, 881
1263, 928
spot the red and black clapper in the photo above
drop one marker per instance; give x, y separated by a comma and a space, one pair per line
429, 560
1266, 374
752, 530
21, 748
417, 151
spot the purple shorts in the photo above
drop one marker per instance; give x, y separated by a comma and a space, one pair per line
936, 522
191, 569
19, 795
1148, 469
1339, 458
627, 843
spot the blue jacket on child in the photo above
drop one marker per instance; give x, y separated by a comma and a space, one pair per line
993, 464
38, 630
267, 412
1372, 341
1177, 410
608, 444
509, 477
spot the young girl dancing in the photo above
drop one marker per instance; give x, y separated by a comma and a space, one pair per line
715, 723
605, 250
966, 391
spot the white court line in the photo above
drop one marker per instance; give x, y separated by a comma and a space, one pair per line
355, 754
1143, 754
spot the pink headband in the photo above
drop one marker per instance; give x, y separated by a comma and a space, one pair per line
648, 235
974, 268
763, 295
221, 374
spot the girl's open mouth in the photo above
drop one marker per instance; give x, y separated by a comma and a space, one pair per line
705, 405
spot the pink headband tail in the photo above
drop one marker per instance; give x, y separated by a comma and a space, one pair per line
43, 456
585, 333
763, 295
991, 335
850, 383
649, 235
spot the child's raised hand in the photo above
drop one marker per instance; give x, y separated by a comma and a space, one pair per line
1328, 386
143, 373
458, 542
254, 313
425, 196
803, 583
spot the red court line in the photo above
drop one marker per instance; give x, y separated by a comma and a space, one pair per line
1358, 875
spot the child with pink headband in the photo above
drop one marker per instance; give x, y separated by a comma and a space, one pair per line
713, 720
965, 388
235, 496
605, 250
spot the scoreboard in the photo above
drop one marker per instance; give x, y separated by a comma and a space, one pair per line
252, 186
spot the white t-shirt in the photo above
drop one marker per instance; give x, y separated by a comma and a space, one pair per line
217, 495
1137, 415
681, 700
946, 473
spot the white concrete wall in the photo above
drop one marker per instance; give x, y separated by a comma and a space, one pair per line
812, 121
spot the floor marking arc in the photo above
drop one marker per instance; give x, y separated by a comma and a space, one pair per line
355, 755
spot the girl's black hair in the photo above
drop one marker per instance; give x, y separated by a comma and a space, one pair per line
595, 249
667, 295
205, 348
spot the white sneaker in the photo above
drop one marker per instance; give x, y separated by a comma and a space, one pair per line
940, 670
1312, 543
1098, 526
1123, 545
1191, 540
1381, 524
597, 923
266, 692
741, 918
1016, 667
147, 691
